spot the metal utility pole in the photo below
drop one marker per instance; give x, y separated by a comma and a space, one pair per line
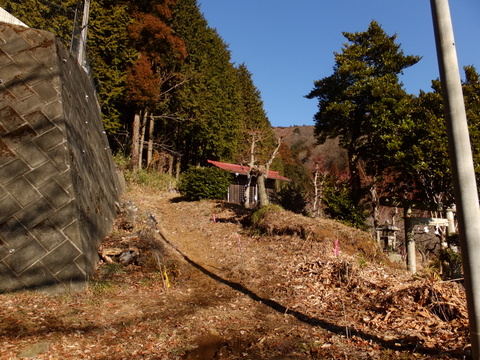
82, 46
466, 196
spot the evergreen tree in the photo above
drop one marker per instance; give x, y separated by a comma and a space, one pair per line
208, 101
420, 163
253, 119
292, 197
471, 93
108, 47
56, 16
260, 147
363, 102
161, 61
110, 54
159, 51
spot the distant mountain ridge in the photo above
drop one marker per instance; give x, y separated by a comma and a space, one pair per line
303, 144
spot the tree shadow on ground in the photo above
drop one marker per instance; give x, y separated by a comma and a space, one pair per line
179, 199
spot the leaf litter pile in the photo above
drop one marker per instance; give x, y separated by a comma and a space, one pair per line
202, 280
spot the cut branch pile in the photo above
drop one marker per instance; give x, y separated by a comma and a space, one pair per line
322, 231
421, 313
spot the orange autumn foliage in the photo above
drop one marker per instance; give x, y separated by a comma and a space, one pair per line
143, 83
158, 46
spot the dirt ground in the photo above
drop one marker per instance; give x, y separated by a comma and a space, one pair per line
204, 285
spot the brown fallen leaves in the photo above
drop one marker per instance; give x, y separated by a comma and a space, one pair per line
424, 312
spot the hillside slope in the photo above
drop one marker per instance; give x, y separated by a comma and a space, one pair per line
205, 285
301, 140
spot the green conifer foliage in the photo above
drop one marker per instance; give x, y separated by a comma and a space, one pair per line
56, 16
209, 100
160, 60
110, 55
363, 102
420, 161
107, 43
471, 93
254, 120
205, 183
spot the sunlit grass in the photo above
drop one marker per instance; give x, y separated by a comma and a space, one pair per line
146, 178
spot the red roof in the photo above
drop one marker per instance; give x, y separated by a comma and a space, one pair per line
243, 170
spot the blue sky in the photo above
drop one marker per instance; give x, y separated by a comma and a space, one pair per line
287, 45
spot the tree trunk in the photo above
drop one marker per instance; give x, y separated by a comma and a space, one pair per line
170, 165
355, 181
318, 191
263, 176
135, 141
375, 215
262, 191
150, 140
143, 124
315, 194
177, 168
246, 197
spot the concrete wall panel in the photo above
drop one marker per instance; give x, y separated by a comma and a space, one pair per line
58, 183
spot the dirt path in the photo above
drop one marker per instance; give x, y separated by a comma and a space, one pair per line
222, 287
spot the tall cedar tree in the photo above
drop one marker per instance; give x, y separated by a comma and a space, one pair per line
158, 47
209, 101
136, 49
257, 135
56, 16
362, 102
253, 118
110, 55
108, 42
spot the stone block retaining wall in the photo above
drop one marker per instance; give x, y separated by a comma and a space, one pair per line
58, 183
